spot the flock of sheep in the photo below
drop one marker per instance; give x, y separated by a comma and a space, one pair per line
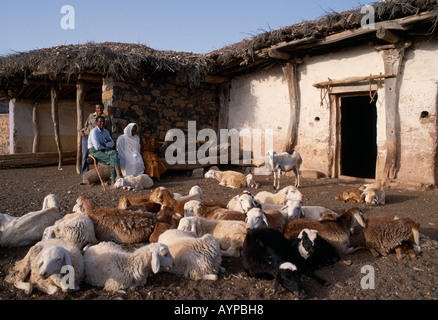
274, 234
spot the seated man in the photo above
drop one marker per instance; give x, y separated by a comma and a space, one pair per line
99, 144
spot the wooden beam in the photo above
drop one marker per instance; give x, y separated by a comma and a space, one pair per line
352, 80
388, 36
54, 93
216, 79
36, 133
277, 54
291, 73
80, 98
224, 102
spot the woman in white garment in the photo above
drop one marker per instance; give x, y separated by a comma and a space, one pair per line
128, 146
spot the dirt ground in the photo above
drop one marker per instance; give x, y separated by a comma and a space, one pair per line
22, 190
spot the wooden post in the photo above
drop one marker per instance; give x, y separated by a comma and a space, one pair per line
291, 73
80, 98
224, 101
36, 134
393, 59
54, 93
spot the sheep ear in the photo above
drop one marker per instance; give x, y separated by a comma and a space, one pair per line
265, 220
155, 263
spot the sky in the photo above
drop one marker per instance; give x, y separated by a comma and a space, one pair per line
198, 26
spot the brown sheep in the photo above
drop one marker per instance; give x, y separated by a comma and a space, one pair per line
120, 226
168, 220
387, 233
165, 197
198, 209
351, 195
335, 231
138, 202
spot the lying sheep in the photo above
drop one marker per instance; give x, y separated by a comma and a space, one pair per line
387, 233
107, 265
230, 179
194, 258
243, 202
266, 255
194, 208
29, 228
75, 228
44, 265
195, 193
281, 197
256, 218
121, 226
230, 234
165, 197
351, 195
168, 219
335, 231
373, 194
297, 211
140, 182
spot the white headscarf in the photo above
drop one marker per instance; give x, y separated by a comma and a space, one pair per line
128, 147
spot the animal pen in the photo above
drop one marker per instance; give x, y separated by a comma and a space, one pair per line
352, 100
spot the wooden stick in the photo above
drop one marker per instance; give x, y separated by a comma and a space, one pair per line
54, 106
351, 80
36, 134
80, 98
97, 170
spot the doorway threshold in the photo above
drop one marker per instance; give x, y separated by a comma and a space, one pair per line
356, 179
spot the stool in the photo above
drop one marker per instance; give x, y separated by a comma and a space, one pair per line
97, 170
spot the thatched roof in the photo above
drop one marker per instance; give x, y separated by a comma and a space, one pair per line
122, 61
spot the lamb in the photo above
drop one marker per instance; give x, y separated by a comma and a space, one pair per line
256, 218
283, 162
231, 179
335, 231
265, 254
350, 195
75, 228
195, 193
165, 197
297, 211
387, 233
281, 197
194, 258
107, 265
230, 234
29, 228
194, 208
168, 220
45, 262
242, 202
373, 194
140, 182
121, 226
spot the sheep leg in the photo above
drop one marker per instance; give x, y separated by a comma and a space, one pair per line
374, 253
399, 253
297, 176
25, 286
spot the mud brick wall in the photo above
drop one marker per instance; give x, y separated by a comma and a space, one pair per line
4, 133
160, 103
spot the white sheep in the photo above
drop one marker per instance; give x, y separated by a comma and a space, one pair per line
231, 179
194, 258
250, 182
76, 228
296, 210
282, 162
373, 193
242, 202
136, 183
281, 197
44, 265
195, 193
29, 228
107, 265
229, 233
256, 218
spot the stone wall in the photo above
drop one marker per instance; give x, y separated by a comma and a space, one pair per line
160, 103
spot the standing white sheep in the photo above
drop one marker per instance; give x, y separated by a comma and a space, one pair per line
279, 162
45, 263
107, 265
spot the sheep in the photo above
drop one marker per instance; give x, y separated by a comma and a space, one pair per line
165, 197
194, 258
168, 220
195, 193
373, 194
297, 211
194, 208
242, 202
281, 197
140, 182
256, 218
75, 228
250, 182
121, 226
43, 266
29, 228
231, 179
335, 231
384, 234
265, 254
230, 234
138, 202
350, 195
282, 162
107, 265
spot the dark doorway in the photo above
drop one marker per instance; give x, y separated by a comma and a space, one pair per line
358, 137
